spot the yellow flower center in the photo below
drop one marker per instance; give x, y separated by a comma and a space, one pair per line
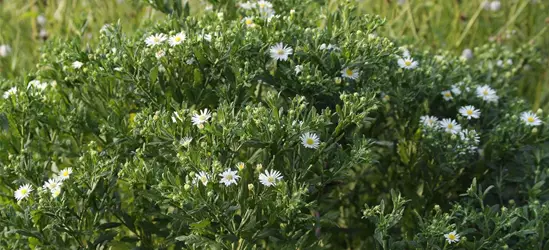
450, 126
447, 94
249, 21
310, 141
270, 179
485, 92
229, 177
470, 112
452, 236
241, 166
203, 179
530, 119
262, 5
407, 62
177, 39
65, 173
156, 39
24, 191
349, 72
280, 52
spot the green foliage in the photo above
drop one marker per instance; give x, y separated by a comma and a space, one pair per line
123, 116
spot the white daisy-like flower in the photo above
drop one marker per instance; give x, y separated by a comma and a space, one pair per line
281, 52
186, 141
429, 121
298, 69
469, 112
310, 140
202, 177
407, 63
487, 94
155, 39
229, 177
530, 119
249, 21
452, 237
177, 39
268, 13
23, 192
264, 4
450, 126
247, 5
55, 192
447, 95
350, 73
240, 166
159, 54
405, 52
199, 119
77, 64
270, 178
10, 92
5, 50
455, 90
499, 63
64, 174
53, 184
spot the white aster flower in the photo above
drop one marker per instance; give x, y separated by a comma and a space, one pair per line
270, 178
55, 192
429, 121
469, 112
350, 73
53, 184
240, 166
77, 64
407, 63
199, 119
229, 177
177, 39
207, 37
495, 5
452, 237
186, 141
23, 192
264, 4
249, 21
487, 94
280, 52
530, 119
155, 39
202, 177
447, 95
310, 140
450, 126
298, 69
10, 92
247, 5
405, 52
455, 90
64, 174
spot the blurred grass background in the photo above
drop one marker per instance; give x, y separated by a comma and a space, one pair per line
433, 24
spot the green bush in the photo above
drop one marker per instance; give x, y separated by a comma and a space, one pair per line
164, 141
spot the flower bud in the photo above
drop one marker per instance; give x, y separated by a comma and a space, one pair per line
186, 186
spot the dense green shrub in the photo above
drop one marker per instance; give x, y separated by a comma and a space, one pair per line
142, 133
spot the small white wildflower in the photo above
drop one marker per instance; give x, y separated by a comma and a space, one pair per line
447, 95
206, 37
199, 119
177, 39
202, 177
469, 112
159, 54
407, 63
467, 54
452, 237
486, 93
186, 141
247, 5
41, 20
310, 140
455, 90
450, 126
55, 192
270, 178
298, 69
155, 39
249, 21
23, 192
264, 4
10, 92
280, 52
530, 119
53, 184
495, 5
77, 64
429, 121
350, 73
64, 174
229, 177
240, 166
